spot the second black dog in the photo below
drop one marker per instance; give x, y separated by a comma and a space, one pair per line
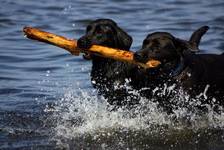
197, 74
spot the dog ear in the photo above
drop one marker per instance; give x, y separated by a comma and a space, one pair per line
123, 39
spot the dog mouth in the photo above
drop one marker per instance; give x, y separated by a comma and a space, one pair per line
150, 62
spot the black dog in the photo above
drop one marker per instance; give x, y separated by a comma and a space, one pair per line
197, 74
108, 75
190, 45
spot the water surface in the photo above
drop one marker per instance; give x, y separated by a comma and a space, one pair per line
46, 98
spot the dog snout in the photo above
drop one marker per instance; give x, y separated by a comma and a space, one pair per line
137, 56
84, 43
140, 57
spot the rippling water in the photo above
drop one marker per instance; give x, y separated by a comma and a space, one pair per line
46, 98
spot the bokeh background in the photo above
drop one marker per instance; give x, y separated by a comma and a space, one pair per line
47, 100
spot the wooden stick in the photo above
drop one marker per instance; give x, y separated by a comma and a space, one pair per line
71, 46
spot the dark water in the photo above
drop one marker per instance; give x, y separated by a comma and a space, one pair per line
46, 98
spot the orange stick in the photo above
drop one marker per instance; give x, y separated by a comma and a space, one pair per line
71, 46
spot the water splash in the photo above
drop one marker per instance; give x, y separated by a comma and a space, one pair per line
68, 10
83, 117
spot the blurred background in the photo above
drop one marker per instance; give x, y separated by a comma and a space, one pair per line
47, 100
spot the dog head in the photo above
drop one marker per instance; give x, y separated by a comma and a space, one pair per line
105, 32
161, 46
165, 47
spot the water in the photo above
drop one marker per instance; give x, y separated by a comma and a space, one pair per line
46, 98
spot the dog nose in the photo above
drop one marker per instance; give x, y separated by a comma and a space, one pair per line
138, 57
84, 43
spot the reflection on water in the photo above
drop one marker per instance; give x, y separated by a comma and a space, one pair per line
46, 98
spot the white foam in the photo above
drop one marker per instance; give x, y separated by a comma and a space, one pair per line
82, 112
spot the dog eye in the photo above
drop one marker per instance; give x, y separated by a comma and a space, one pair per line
156, 45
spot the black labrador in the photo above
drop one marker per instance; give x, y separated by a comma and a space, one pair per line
107, 75
198, 75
